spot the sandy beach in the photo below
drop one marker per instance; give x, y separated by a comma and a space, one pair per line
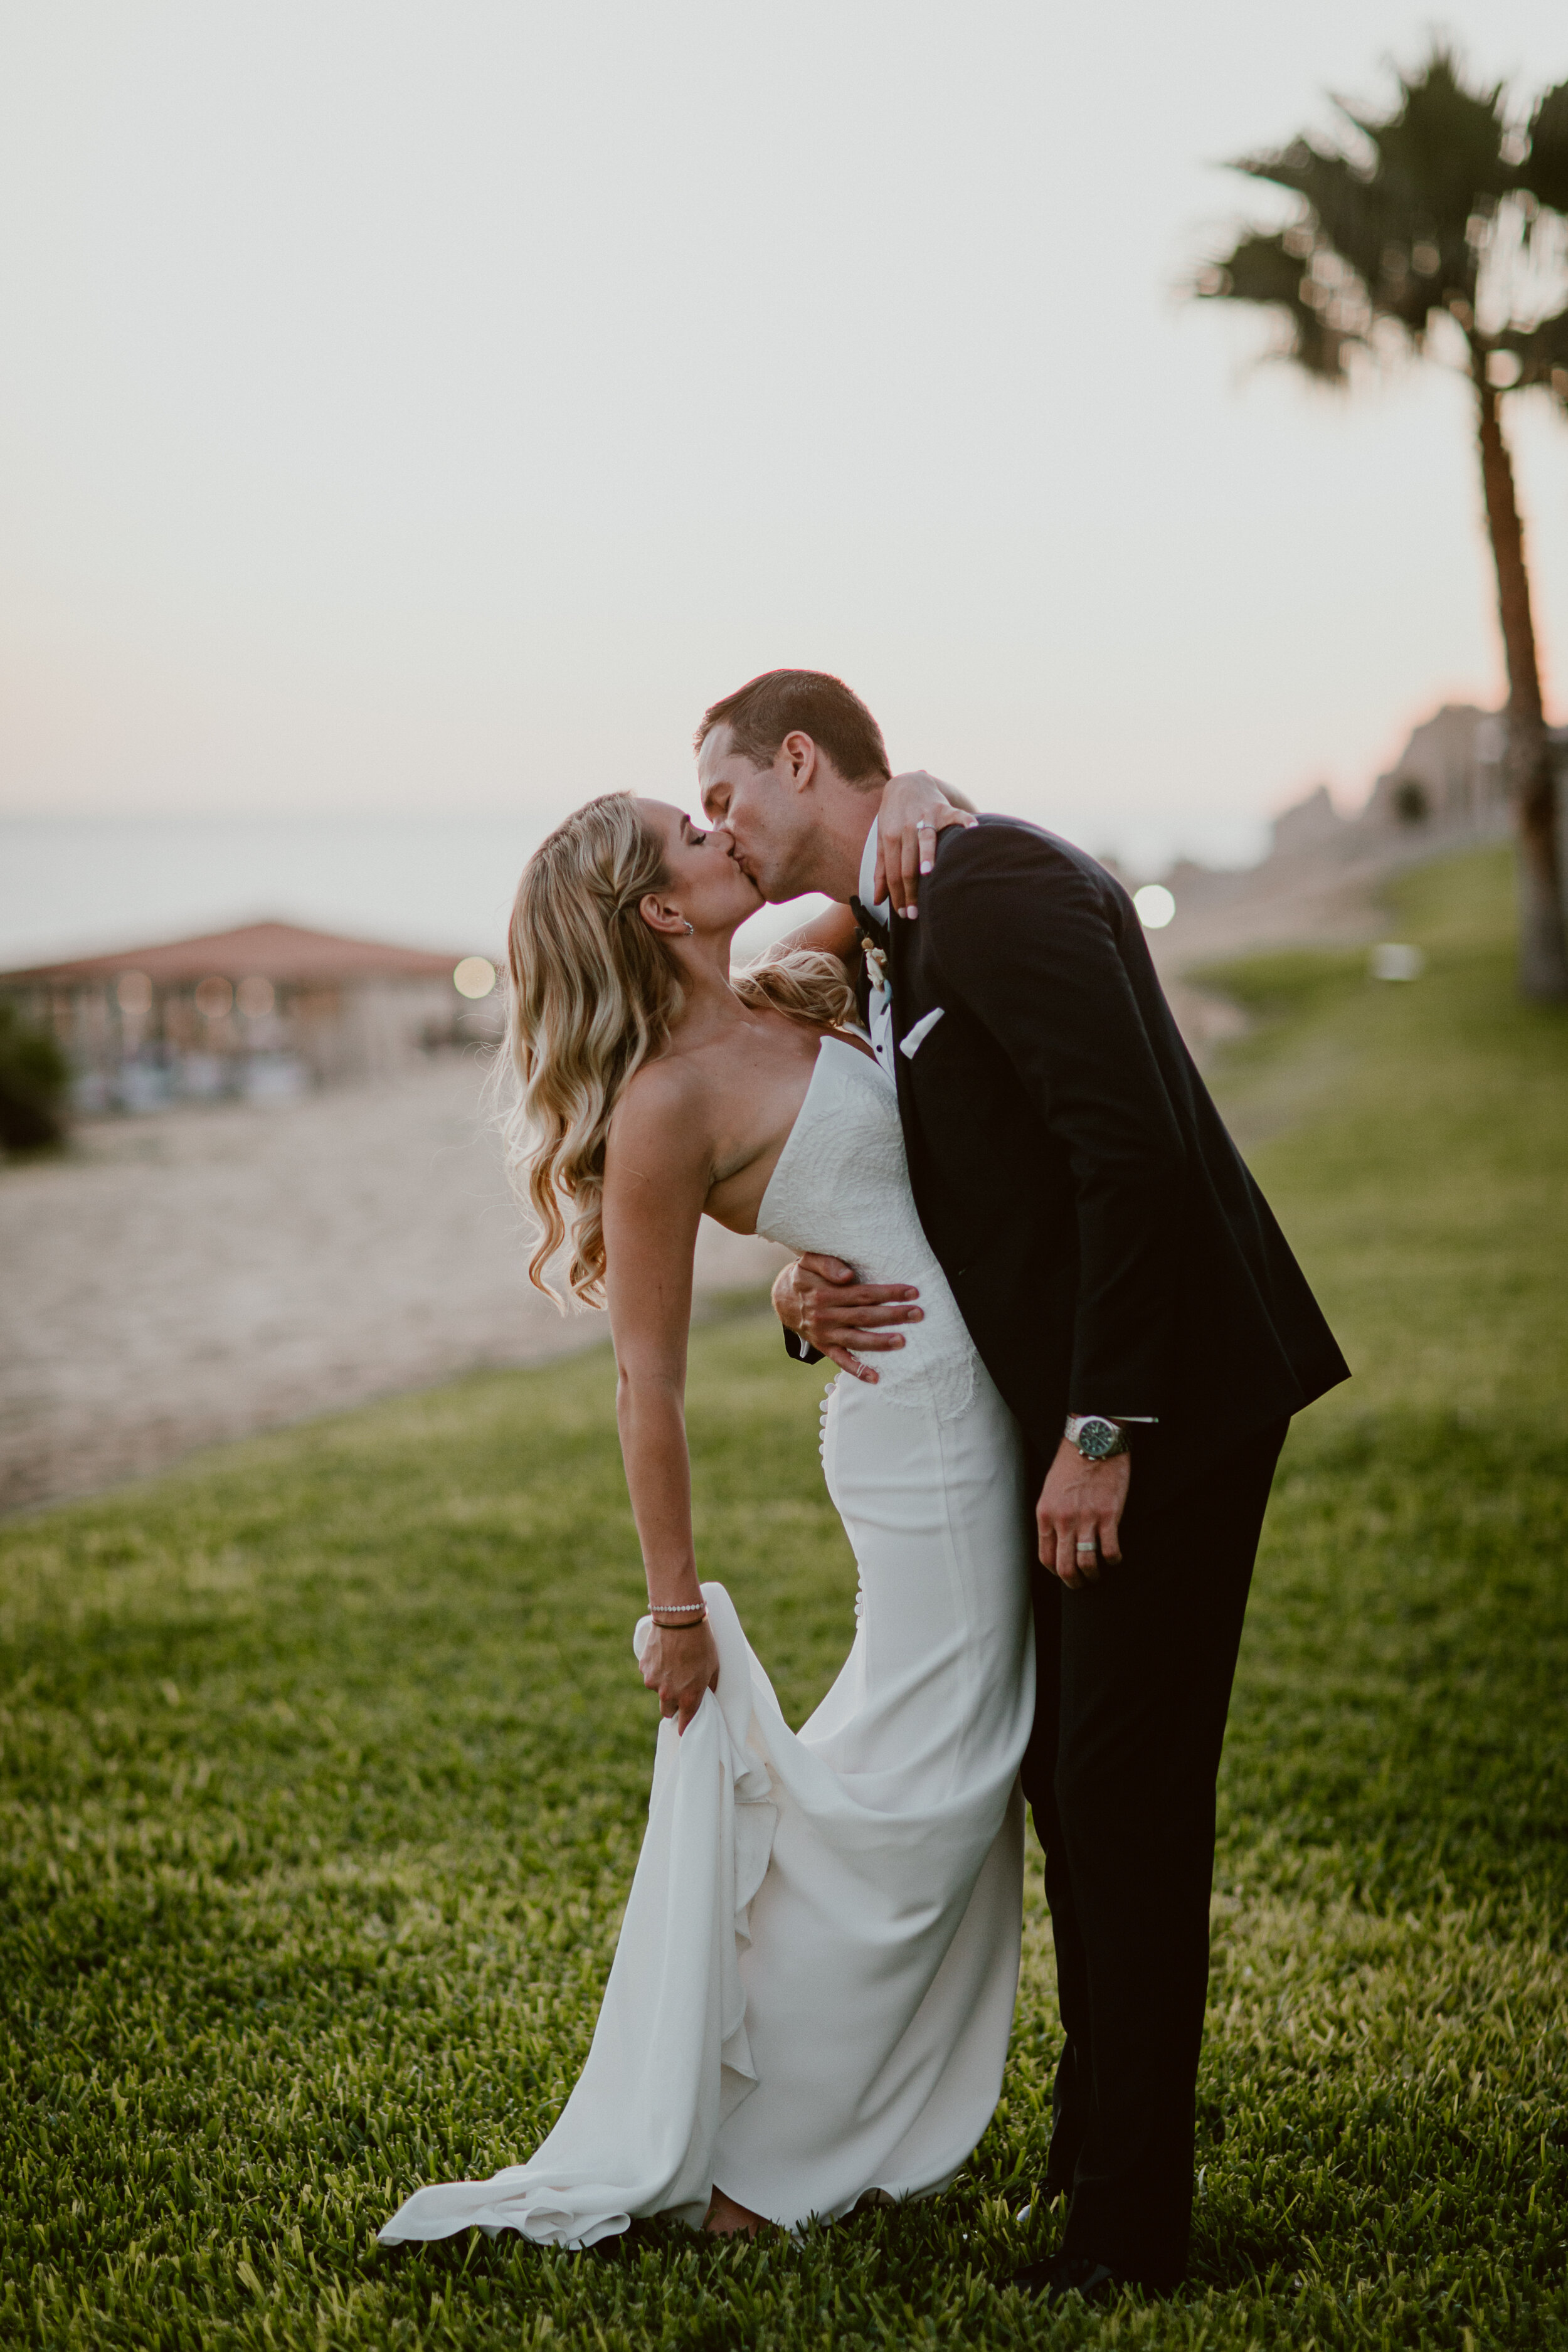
208, 1272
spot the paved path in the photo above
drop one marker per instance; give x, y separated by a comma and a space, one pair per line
211, 1272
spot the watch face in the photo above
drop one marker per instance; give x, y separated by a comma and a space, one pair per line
1098, 1439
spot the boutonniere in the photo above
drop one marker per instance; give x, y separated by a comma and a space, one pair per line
876, 963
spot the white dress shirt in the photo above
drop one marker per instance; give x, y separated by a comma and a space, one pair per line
879, 1012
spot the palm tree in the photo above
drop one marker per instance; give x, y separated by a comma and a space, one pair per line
1441, 230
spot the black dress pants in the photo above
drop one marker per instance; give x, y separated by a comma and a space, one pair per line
1135, 1674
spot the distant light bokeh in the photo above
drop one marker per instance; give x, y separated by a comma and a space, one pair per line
474, 977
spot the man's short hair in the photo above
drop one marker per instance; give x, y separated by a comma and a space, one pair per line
782, 702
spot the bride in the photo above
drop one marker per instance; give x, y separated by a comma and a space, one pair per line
812, 1989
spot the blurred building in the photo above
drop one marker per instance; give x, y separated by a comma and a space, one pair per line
1449, 786
1450, 779
1451, 775
262, 1013
1321, 878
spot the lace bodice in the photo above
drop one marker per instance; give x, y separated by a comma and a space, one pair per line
842, 1186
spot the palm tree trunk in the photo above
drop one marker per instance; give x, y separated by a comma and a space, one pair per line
1542, 953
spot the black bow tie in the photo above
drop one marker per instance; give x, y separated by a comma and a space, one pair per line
872, 925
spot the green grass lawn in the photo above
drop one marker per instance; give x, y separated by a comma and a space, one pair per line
325, 1760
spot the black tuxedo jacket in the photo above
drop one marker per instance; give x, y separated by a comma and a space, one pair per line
1107, 1246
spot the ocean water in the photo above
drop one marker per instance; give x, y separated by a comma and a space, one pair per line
86, 886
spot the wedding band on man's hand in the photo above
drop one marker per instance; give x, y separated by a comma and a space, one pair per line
1090, 1546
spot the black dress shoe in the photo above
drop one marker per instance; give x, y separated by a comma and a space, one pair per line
1064, 2275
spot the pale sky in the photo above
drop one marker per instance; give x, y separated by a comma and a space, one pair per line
421, 409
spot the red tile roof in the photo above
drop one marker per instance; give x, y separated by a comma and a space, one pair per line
275, 951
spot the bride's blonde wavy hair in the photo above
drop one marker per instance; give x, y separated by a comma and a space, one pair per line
594, 995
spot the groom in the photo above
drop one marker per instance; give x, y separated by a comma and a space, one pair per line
1140, 1312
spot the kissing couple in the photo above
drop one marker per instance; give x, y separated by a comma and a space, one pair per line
1070, 1336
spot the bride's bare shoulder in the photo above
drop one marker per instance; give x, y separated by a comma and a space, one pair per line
666, 1110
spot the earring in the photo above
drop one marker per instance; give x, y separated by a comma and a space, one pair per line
690, 930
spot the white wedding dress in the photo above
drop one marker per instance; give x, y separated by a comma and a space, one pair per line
814, 1983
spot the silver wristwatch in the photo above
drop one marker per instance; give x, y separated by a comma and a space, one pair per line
1095, 1438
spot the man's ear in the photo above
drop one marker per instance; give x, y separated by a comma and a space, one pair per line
797, 757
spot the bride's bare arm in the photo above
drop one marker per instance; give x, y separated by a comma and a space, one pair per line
657, 1174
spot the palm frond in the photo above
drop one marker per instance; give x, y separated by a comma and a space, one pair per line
1350, 210
1268, 270
1410, 242
1365, 224
1444, 146
1544, 171
1439, 207
1542, 354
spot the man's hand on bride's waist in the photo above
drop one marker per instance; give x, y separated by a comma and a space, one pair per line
820, 1298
